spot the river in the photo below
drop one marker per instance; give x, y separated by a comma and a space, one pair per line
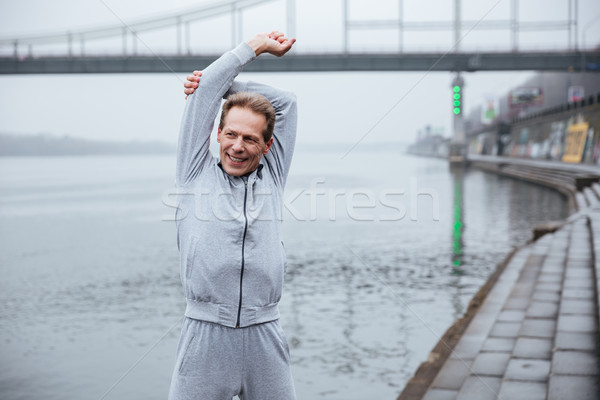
384, 252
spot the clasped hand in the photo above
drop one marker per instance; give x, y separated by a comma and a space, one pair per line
273, 43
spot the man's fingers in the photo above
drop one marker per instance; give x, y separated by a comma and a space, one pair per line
197, 73
188, 91
193, 78
289, 42
190, 84
286, 46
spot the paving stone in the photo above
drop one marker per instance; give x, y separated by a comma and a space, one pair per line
517, 303
582, 283
468, 347
490, 364
480, 388
556, 254
575, 341
579, 243
505, 329
563, 387
546, 296
481, 324
574, 363
578, 264
542, 309
536, 259
522, 290
543, 328
520, 369
511, 316
440, 394
516, 390
580, 294
533, 348
571, 306
579, 273
452, 375
549, 278
577, 323
553, 269
584, 256
548, 287
498, 344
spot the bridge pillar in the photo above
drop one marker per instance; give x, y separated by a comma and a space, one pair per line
179, 34
187, 38
134, 38
236, 24
70, 43
345, 25
291, 18
124, 41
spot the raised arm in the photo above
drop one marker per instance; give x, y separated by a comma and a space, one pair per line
279, 157
201, 110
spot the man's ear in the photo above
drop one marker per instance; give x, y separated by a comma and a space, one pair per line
269, 144
219, 135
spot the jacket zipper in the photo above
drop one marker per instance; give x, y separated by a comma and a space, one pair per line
237, 325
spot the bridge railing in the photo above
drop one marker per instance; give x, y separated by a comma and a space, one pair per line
180, 20
126, 38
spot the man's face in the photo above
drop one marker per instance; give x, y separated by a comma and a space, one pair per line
241, 140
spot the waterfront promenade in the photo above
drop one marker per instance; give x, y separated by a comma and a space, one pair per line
535, 336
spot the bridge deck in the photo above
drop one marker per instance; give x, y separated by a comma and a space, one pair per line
542, 61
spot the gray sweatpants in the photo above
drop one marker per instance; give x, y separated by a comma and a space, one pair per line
215, 362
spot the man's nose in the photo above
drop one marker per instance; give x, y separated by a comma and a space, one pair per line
238, 145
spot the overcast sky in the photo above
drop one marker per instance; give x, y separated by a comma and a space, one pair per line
333, 107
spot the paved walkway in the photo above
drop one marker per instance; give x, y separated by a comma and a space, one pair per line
536, 334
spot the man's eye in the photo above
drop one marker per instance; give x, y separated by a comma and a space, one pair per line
229, 134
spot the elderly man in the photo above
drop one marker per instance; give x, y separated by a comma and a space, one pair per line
232, 260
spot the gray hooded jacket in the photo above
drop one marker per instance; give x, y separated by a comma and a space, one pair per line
232, 260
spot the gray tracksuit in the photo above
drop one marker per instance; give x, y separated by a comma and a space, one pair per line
232, 260
232, 257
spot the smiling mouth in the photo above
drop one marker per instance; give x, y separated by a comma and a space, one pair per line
235, 159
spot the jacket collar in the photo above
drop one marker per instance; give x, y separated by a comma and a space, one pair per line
256, 174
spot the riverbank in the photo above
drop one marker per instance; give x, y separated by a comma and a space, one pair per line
542, 297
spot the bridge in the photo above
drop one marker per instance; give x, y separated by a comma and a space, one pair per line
25, 55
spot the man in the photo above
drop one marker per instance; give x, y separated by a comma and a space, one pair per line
232, 260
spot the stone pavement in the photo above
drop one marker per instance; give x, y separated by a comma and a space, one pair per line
536, 334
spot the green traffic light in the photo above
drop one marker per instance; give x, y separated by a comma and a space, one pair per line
456, 110
456, 103
456, 96
456, 88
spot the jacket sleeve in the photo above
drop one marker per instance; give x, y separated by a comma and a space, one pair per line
279, 157
201, 110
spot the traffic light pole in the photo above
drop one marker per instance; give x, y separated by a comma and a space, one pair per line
458, 145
